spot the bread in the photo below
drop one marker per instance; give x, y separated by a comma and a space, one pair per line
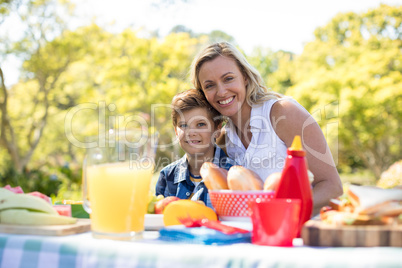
243, 179
214, 177
272, 181
371, 200
364, 205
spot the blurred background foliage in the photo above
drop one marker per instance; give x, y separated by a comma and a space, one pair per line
349, 78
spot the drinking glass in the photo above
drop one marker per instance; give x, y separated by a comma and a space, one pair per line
275, 221
117, 173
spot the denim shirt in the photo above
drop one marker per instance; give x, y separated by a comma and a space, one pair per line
174, 179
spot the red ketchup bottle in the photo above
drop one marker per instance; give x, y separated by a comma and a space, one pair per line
294, 182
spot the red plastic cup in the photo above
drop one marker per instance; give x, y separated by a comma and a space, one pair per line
275, 221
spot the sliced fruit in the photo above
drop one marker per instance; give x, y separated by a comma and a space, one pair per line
182, 209
26, 202
161, 204
16, 189
5, 193
25, 217
40, 195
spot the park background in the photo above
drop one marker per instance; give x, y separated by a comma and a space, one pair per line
63, 74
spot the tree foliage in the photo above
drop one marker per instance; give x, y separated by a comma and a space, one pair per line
22, 125
351, 75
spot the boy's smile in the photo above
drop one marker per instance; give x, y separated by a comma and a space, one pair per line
196, 132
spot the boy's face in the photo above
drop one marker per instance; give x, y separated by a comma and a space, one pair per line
196, 132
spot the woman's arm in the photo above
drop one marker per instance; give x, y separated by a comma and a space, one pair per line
288, 120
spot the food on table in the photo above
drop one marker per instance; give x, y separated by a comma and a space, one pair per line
373, 200
4, 193
364, 205
185, 208
16, 189
26, 217
63, 210
40, 195
244, 179
238, 178
163, 203
153, 199
272, 181
215, 178
27, 209
26, 201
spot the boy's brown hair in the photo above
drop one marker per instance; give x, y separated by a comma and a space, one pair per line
192, 99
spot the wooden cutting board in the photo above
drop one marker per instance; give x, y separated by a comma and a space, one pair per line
317, 233
81, 226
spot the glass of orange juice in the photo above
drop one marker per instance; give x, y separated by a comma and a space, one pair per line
117, 173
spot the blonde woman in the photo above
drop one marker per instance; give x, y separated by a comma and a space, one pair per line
262, 124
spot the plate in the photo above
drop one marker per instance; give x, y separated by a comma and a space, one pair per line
235, 219
153, 222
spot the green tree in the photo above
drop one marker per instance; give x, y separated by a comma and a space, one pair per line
267, 62
351, 74
44, 63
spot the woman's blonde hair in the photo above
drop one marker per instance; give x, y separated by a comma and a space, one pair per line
256, 92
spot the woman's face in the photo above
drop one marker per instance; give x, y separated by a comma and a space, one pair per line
224, 85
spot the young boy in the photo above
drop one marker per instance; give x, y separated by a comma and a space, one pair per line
197, 125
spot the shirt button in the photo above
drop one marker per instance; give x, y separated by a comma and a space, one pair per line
188, 193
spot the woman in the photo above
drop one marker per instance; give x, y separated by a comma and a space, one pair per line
262, 124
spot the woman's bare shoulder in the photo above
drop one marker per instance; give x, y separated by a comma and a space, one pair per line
287, 119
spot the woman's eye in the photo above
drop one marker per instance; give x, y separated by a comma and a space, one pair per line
229, 78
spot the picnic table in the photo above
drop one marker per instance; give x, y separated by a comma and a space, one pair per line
82, 250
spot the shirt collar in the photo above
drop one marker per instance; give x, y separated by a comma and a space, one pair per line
257, 120
183, 171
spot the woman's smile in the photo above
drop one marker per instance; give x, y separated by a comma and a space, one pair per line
226, 101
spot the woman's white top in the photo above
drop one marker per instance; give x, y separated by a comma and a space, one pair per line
266, 153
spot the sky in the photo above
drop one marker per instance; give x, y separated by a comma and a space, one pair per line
275, 24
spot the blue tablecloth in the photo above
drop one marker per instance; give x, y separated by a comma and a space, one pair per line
84, 251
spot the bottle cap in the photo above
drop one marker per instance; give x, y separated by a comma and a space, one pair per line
296, 149
296, 144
